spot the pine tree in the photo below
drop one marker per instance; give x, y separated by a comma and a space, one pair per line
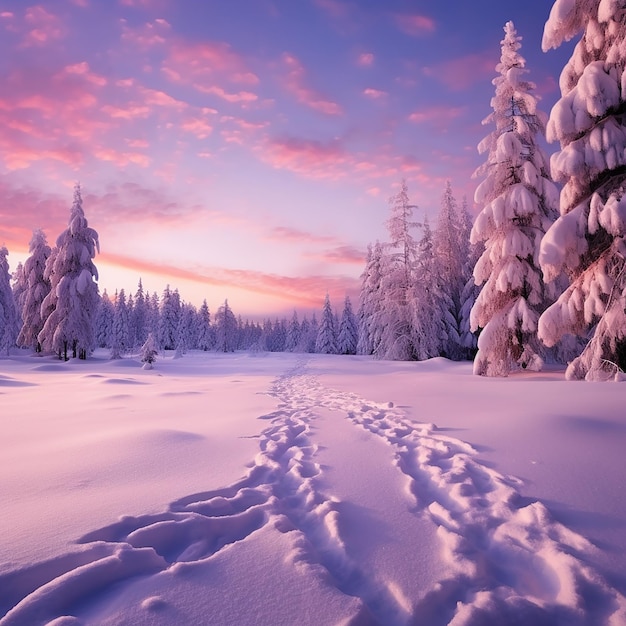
206, 340
71, 306
326, 341
168, 319
120, 336
348, 330
225, 329
518, 200
471, 253
149, 352
104, 322
430, 331
371, 301
140, 316
450, 252
293, 334
36, 289
8, 310
394, 315
587, 241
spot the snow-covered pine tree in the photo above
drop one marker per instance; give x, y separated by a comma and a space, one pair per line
519, 200
395, 316
587, 241
428, 319
169, 316
140, 316
471, 254
326, 341
120, 336
71, 306
348, 330
225, 329
19, 287
370, 300
8, 310
37, 288
450, 252
205, 332
149, 352
104, 322
293, 334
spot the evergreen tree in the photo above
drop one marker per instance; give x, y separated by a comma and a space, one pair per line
518, 200
326, 341
149, 352
225, 329
8, 310
370, 301
104, 322
450, 258
348, 330
120, 336
587, 241
140, 315
293, 334
71, 306
206, 340
36, 289
430, 332
168, 319
393, 317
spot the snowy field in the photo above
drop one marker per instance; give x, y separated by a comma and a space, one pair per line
308, 489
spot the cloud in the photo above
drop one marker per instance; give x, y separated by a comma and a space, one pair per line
365, 59
294, 81
463, 72
374, 94
346, 255
303, 291
294, 235
43, 27
312, 158
438, 116
415, 24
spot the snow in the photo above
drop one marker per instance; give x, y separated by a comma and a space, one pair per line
308, 489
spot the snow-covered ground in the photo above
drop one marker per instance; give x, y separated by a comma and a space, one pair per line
308, 489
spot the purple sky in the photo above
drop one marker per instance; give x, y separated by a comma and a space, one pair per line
245, 149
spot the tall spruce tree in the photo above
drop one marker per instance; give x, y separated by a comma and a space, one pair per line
519, 204
326, 341
71, 306
36, 289
8, 310
587, 241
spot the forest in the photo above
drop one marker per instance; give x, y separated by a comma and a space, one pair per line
536, 277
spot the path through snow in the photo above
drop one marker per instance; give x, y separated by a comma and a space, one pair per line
292, 518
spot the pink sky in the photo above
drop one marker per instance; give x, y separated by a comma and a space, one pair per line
244, 150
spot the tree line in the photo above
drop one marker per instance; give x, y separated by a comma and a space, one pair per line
540, 274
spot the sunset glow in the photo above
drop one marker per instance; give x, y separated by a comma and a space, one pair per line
244, 150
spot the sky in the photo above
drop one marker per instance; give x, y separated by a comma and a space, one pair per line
246, 150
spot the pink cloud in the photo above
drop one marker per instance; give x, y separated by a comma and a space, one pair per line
374, 94
295, 83
241, 96
193, 61
348, 255
198, 127
439, 116
307, 157
43, 26
148, 35
463, 72
82, 69
120, 158
365, 59
334, 8
415, 24
294, 235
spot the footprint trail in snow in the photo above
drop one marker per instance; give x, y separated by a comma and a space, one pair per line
506, 561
